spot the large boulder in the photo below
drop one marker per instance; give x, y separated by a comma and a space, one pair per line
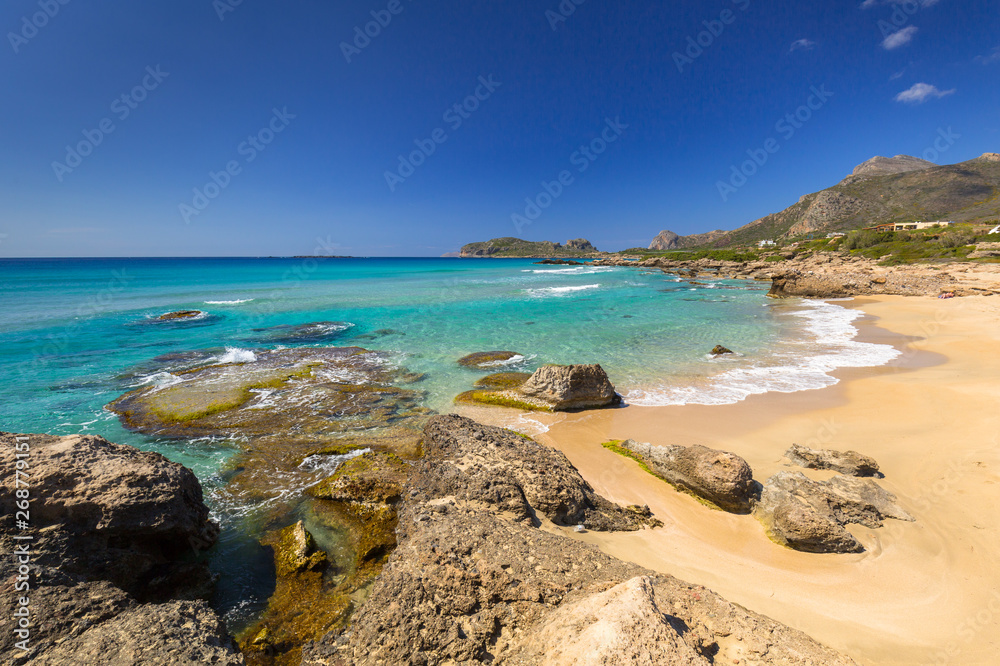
851, 463
111, 512
115, 572
564, 387
720, 477
810, 515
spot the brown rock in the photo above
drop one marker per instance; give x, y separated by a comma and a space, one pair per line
722, 478
851, 463
564, 387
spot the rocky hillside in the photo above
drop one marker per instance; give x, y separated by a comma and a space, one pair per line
515, 247
881, 190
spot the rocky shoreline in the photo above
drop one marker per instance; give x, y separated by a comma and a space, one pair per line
833, 275
478, 572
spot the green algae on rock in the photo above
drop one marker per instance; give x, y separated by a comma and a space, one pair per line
511, 399
502, 380
487, 359
180, 315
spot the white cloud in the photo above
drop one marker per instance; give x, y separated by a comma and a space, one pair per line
897, 75
994, 56
802, 45
899, 38
920, 93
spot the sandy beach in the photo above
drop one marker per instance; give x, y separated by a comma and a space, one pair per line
922, 592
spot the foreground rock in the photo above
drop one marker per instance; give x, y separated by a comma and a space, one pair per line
810, 515
722, 478
851, 463
564, 387
115, 578
181, 315
719, 350
473, 581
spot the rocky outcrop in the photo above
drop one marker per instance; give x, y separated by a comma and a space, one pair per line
810, 515
312, 333
720, 477
719, 350
474, 582
564, 387
580, 245
985, 251
115, 576
665, 240
487, 359
559, 262
180, 315
882, 166
839, 284
851, 463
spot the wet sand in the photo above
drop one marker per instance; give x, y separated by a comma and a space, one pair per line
926, 592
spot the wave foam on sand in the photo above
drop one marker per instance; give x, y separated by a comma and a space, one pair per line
803, 365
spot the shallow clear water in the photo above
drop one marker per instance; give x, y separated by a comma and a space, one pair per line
76, 334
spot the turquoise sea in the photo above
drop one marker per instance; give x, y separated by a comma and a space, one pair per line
77, 333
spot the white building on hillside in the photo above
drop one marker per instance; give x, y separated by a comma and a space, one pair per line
766, 243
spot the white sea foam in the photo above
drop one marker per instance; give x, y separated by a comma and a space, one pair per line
237, 355
236, 302
517, 359
160, 380
555, 291
575, 270
800, 365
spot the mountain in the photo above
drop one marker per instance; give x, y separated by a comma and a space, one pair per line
883, 189
515, 247
668, 240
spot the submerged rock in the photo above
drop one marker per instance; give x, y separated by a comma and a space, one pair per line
180, 315
474, 581
115, 573
810, 515
487, 359
315, 332
851, 463
563, 387
722, 478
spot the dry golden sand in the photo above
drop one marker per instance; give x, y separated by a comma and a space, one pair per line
923, 592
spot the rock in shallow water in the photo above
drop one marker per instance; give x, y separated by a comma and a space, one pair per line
722, 478
810, 515
564, 387
487, 359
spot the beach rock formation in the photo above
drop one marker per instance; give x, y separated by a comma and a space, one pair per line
487, 359
559, 262
313, 333
115, 578
985, 251
719, 350
810, 515
474, 582
851, 463
720, 477
564, 387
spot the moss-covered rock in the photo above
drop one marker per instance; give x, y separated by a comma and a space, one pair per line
502, 380
510, 399
486, 359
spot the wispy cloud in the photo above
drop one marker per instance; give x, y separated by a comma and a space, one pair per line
899, 38
992, 57
920, 93
802, 45
897, 75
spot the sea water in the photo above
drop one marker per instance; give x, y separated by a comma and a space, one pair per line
77, 333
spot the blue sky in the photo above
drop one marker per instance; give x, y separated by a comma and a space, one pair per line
269, 129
